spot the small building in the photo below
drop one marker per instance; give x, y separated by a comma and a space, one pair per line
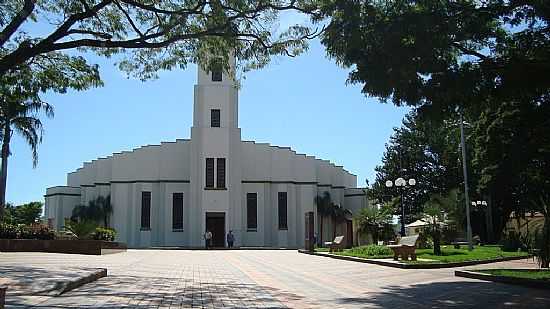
170, 194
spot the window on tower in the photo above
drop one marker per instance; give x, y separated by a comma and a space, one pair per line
210, 172
221, 173
215, 121
217, 73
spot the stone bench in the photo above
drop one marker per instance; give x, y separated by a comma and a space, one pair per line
405, 248
336, 245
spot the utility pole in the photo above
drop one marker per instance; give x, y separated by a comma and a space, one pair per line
466, 196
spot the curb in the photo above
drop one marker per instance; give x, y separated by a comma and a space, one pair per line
531, 283
65, 286
412, 266
211, 249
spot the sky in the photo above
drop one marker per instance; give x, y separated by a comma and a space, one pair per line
301, 102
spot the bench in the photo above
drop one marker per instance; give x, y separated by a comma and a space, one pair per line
405, 248
336, 245
459, 242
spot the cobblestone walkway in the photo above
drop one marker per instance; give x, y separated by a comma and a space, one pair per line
266, 279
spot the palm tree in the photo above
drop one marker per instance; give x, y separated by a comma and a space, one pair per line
338, 214
372, 219
98, 209
324, 208
19, 117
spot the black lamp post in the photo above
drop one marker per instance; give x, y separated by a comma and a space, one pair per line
401, 183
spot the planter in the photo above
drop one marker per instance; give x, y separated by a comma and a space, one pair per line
533, 283
92, 247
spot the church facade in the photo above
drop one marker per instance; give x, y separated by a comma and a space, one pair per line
170, 194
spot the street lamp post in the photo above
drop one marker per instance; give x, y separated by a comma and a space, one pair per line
466, 197
401, 183
477, 204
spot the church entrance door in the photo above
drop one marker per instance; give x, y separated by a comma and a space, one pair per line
215, 223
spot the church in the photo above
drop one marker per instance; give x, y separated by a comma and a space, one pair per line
170, 194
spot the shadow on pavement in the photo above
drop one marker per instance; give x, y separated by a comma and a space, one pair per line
453, 295
27, 280
152, 292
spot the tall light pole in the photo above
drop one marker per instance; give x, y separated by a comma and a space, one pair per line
466, 196
484, 204
401, 183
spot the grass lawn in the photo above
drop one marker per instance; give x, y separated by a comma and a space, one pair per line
367, 252
452, 255
449, 254
538, 274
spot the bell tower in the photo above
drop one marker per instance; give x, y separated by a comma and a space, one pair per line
215, 180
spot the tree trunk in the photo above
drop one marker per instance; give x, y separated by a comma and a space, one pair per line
436, 236
321, 231
544, 258
4, 169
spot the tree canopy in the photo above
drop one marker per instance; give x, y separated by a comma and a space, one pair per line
443, 53
150, 35
23, 214
488, 59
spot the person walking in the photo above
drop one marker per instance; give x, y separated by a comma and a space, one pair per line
230, 239
208, 239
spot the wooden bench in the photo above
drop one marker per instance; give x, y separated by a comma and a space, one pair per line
336, 245
405, 248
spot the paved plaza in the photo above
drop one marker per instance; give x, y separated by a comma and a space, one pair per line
263, 279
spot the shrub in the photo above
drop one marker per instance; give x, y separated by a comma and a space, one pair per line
35, 231
510, 243
425, 240
39, 231
8, 231
81, 229
371, 250
104, 233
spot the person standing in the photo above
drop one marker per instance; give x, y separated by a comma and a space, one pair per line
208, 239
230, 239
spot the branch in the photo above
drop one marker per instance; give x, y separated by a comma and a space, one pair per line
136, 29
151, 8
470, 52
16, 22
102, 35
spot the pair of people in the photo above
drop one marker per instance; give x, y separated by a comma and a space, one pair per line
208, 239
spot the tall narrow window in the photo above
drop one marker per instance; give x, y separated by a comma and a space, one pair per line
177, 211
145, 210
217, 72
210, 172
221, 173
215, 118
251, 211
282, 211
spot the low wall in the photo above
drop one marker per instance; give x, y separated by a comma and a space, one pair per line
93, 247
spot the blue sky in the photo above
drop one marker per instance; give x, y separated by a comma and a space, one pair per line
301, 102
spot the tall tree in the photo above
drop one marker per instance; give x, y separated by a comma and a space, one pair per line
324, 208
422, 149
151, 35
472, 56
21, 104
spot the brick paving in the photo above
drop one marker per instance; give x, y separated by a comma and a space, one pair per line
265, 279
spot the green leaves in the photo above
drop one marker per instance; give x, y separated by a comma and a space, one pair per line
23, 214
159, 35
441, 54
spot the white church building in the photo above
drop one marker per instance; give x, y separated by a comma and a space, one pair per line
170, 194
